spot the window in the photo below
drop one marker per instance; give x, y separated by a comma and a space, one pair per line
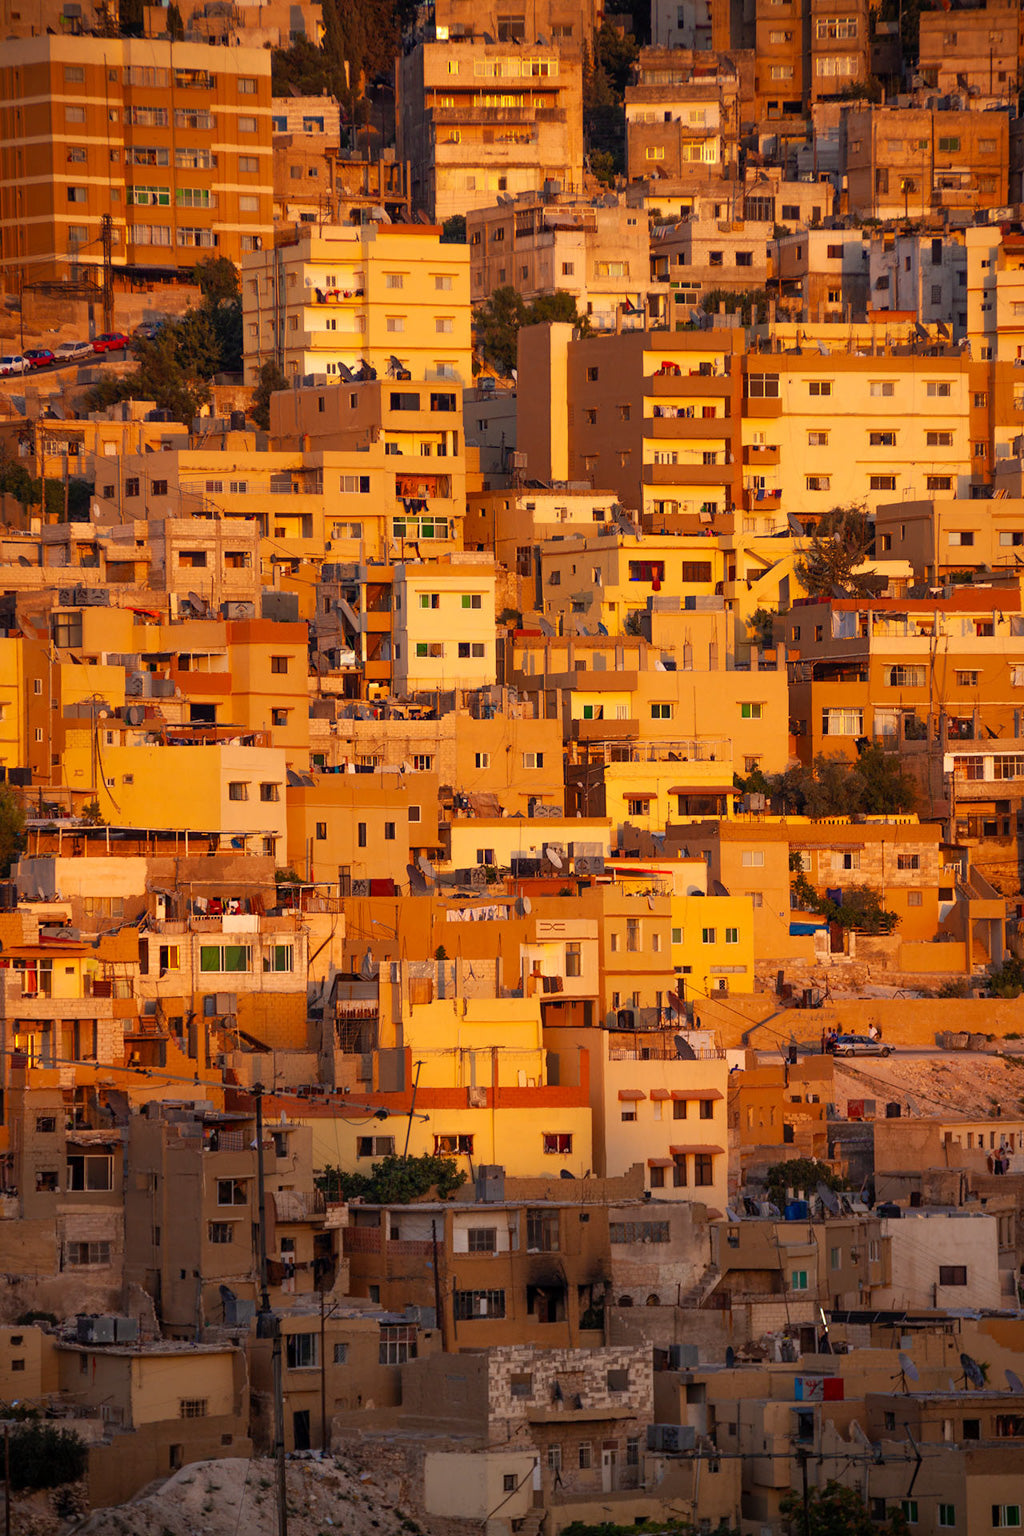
90, 1171
763, 386
798, 1280
453, 1145
341, 1354
751, 711
842, 722
225, 957
882, 387
397, 1343
961, 538
221, 1231
817, 439
819, 387
585, 1455
321, 831
471, 1304
947, 1515
909, 1508
279, 957
232, 1191
375, 1146
753, 858
482, 1239
882, 482
74, 114
882, 439
938, 389
949, 145
952, 1274
908, 861
533, 759
1004, 1516
557, 1143
732, 935
482, 760
78, 1255
389, 831
46, 1125
818, 482
966, 679
661, 711
270, 793
302, 1351
905, 677
708, 935
279, 664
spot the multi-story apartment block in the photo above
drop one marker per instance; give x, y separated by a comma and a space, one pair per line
808, 50
700, 257
480, 118
995, 292
940, 537
974, 51
683, 117
569, 24
822, 274
900, 162
922, 274
167, 141
545, 243
939, 670
444, 625
372, 299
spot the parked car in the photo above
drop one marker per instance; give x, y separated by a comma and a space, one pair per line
858, 1045
73, 351
13, 363
39, 357
150, 330
110, 341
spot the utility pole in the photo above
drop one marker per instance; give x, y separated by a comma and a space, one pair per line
7, 1480
268, 1325
107, 237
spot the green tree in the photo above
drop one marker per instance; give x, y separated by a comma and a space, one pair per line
43, 1456
499, 319
217, 279
271, 379
751, 304
762, 628
836, 1511
887, 789
1008, 979
395, 1180
302, 70
12, 830
873, 783
802, 1175
453, 230
842, 541
175, 25
859, 909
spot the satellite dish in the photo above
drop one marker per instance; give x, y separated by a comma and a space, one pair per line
972, 1371
859, 1434
564, 1173
1013, 1381
907, 1367
426, 866
524, 906
554, 857
828, 1199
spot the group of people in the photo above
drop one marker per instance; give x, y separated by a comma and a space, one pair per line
999, 1161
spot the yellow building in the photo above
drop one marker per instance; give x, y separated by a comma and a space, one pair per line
388, 299
349, 827
168, 141
482, 1093
444, 625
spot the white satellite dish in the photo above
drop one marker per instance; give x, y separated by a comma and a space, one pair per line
554, 857
908, 1370
525, 906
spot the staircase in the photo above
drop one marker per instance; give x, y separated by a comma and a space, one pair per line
698, 1294
531, 1522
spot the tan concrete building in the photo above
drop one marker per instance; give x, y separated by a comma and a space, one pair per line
808, 50
923, 274
914, 161
479, 118
683, 117
373, 298
567, 23
544, 244
166, 140
975, 52
995, 293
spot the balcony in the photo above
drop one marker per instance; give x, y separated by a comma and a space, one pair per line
760, 408
719, 385
759, 456
688, 474
604, 730
679, 428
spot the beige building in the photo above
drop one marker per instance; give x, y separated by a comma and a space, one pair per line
822, 274
374, 299
995, 293
546, 243
444, 625
900, 162
683, 117
569, 24
480, 118
925, 275
168, 141
700, 257
974, 51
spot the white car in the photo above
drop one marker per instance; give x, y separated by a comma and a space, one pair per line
72, 351
13, 363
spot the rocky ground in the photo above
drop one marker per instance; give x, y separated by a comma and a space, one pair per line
958, 1082
237, 1498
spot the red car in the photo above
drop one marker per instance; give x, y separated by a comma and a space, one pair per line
39, 357
110, 341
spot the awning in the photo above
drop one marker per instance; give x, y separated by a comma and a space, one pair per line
632, 1094
706, 1095
661, 1093
695, 1148
638, 794
660, 1162
704, 789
